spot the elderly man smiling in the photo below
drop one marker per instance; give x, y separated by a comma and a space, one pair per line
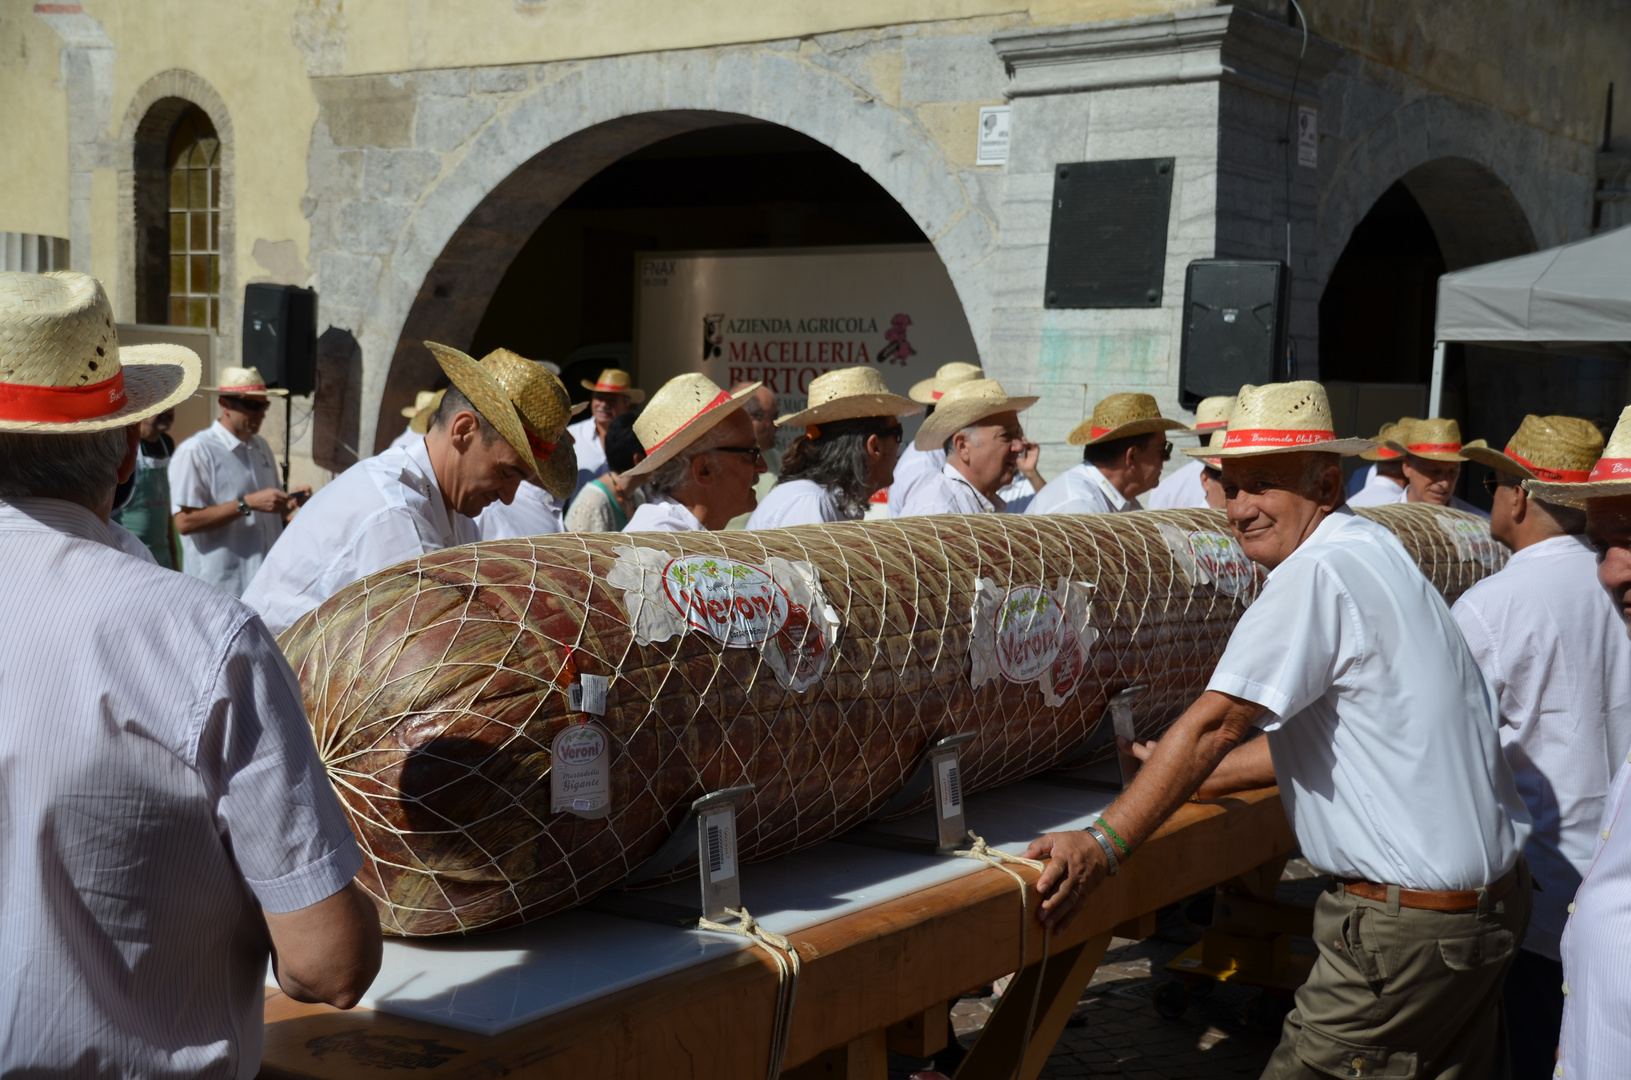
1382, 737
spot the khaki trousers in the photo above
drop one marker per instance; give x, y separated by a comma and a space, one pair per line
1403, 993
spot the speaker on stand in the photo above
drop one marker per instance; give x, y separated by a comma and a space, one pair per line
280, 339
1235, 316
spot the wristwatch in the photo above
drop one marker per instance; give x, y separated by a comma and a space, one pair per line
243, 507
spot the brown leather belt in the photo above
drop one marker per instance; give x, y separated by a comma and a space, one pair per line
1453, 900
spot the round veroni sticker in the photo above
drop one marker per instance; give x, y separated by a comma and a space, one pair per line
1222, 559
735, 603
580, 771
1028, 632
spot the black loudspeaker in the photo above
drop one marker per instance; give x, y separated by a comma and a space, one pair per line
1234, 327
280, 335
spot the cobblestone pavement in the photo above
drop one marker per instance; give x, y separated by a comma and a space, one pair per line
1116, 1032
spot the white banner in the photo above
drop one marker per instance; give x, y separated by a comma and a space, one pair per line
786, 316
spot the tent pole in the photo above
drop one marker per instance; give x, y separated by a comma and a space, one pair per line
1436, 394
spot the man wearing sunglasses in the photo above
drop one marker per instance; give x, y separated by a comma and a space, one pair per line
702, 458
1124, 447
224, 490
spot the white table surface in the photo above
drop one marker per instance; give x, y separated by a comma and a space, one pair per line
489, 983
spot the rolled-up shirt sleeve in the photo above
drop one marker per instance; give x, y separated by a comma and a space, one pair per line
189, 479
1285, 652
275, 807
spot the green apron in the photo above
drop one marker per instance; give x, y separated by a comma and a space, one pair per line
147, 514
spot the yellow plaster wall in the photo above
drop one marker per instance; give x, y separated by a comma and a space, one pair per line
33, 124
245, 52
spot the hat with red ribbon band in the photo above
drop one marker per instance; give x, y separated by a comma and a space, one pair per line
946, 376
1389, 432
1610, 474
62, 368
683, 410
614, 381
1437, 439
1281, 418
244, 382
544, 406
1555, 449
1121, 416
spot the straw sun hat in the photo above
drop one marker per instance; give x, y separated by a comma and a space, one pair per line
849, 394
1389, 432
1213, 413
61, 366
930, 391
1438, 439
614, 381
1555, 449
964, 404
683, 409
490, 397
1281, 418
422, 419
244, 382
541, 400
1610, 475
1121, 416
425, 399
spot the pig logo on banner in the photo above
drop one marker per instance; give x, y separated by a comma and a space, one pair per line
713, 336
778, 608
896, 347
1031, 634
1205, 557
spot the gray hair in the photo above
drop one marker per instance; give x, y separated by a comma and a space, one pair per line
837, 460
674, 473
971, 433
80, 467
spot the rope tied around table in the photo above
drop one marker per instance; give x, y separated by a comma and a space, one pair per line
786, 956
999, 859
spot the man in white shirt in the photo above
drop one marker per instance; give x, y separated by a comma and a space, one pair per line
1550, 640
701, 457
403, 503
1383, 483
1596, 1038
166, 813
1124, 447
914, 464
850, 437
1432, 463
228, 501
976, 424
612, 393
1184, 488
1382, 738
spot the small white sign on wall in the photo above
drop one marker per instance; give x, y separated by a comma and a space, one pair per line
1308, 137
992, 148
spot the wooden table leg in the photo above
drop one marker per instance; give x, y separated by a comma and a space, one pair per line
996, 1051
866, 1058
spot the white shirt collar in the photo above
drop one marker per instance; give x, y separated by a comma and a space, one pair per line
226, 438
56, 515
420, 477
1117, 499
993, 504
1550, 547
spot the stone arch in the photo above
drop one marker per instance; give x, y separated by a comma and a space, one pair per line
153, 111
522, 159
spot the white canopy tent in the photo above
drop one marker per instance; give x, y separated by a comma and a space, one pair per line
1574, 299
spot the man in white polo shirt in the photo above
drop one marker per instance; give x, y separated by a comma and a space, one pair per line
1124, 445
976, 425
1596, 947
1551, 641
1185, 487
915, 464
702, 457
1382, 738
611, 394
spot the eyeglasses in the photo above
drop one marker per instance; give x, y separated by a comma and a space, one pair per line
1166, 451
1495, 481
753, 453
245, 404
897, 433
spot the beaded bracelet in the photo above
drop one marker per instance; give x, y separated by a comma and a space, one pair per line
1120, 843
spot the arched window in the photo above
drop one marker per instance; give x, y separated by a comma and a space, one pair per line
195, 222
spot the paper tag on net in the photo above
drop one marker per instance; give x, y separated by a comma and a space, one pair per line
588, 694
580, 775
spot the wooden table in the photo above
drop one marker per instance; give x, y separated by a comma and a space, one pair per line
876, 980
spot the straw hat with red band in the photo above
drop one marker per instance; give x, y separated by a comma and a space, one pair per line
930, 391
1214, 441
489, 396
425, 399
1281, 418
543, 404
1437, 439
849, 393
683, 410
62, 369
244, 382
1213, 413
1122, 416
614, 381
1389, 432
1610, 476
1556, 449
966, 404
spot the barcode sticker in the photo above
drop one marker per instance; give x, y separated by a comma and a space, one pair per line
951, 788
574, 697
721, 846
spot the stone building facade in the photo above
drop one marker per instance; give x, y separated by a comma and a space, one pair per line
399, 163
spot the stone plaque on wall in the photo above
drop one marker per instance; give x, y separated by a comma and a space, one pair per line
1107, 246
